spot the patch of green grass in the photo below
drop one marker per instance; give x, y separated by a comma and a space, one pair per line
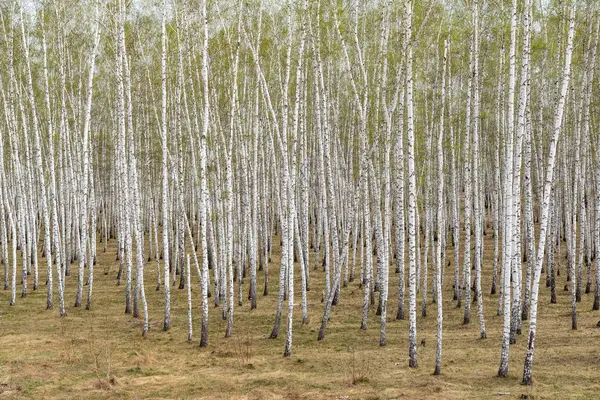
136, 370
322, 387
28, 386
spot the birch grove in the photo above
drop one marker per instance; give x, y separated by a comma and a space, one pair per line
223, 144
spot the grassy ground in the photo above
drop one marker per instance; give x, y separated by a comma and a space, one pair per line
45, 356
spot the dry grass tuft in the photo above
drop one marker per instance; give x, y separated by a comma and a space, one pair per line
359, 368
146, 358
105, 385
243, 349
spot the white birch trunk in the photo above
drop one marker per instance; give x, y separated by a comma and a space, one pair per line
412, 193
558, 118
507, 255
440, 210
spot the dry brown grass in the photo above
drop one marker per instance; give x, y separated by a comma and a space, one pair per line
44, 356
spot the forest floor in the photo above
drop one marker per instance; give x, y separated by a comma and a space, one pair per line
45, 356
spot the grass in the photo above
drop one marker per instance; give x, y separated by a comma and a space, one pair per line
45, 356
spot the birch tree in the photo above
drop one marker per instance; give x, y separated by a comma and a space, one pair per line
558, 120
